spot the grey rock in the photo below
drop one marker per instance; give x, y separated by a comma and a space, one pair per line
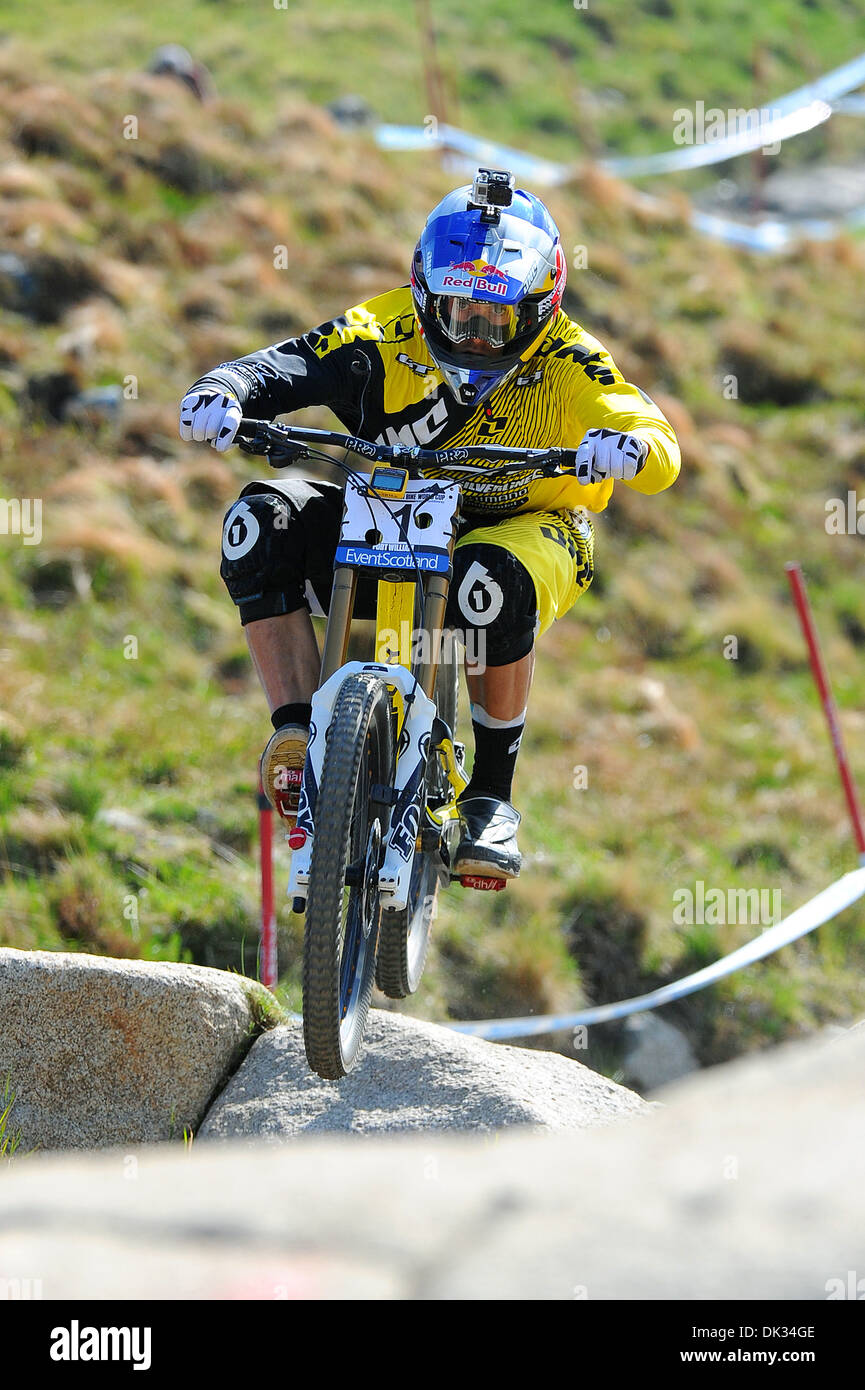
656, 1052
351, 111
746, 1185
100, 1052
815, 191
119, 819
172, 60
412, 1076
808, 191
44, 285
15, 280
98, 405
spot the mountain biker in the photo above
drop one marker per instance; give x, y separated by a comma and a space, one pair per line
477, 349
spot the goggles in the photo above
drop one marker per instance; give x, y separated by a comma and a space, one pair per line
466, 320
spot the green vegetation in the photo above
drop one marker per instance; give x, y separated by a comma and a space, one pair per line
130, 720
561, 79
10, 1139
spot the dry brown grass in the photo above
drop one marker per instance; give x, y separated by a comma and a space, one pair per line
168, 247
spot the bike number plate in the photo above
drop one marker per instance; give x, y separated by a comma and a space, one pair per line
408, 533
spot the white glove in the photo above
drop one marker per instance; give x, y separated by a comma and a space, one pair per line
210, 415
609, 454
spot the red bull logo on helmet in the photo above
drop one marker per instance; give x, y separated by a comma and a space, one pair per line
479, 268
478, 275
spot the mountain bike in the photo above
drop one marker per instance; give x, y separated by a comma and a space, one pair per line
377, 823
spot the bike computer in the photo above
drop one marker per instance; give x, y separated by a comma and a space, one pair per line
390, 482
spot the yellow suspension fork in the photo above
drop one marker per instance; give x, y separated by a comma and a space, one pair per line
394, 622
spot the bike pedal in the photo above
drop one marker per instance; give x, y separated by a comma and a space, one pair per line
482, 881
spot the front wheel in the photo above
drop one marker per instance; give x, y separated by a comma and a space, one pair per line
343, 909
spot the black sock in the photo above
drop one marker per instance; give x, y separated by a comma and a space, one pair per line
292, 714
496, 752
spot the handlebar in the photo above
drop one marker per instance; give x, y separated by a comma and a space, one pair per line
285, 444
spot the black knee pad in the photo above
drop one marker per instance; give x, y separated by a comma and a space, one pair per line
262, 560
493, 593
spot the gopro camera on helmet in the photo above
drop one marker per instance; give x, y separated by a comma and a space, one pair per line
492, 190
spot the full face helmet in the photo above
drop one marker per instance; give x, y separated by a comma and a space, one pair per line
487, 279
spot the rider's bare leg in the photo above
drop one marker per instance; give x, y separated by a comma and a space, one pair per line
503, 691
285, 654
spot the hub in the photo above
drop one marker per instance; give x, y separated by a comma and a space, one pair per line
371, 866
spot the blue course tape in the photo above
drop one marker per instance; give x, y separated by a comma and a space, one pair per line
788, 116
769, 235
826, 905
767, 128
473, 149
772, 234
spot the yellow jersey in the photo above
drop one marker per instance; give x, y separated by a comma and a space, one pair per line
372, 367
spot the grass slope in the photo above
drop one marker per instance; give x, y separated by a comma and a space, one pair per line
563, 79
130, 723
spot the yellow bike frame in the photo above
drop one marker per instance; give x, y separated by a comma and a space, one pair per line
394, 621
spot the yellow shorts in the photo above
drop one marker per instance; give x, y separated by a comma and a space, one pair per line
556, 548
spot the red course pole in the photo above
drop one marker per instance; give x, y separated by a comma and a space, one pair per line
797, 584
267, 955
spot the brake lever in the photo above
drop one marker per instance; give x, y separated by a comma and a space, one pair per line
279, 453
567, 464
252, 438
247, 446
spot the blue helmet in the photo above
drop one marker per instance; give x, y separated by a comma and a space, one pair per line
487, 279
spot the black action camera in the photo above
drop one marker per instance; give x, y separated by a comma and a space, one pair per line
492, 190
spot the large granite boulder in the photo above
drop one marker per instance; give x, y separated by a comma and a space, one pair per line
100, 1052
412, 1076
